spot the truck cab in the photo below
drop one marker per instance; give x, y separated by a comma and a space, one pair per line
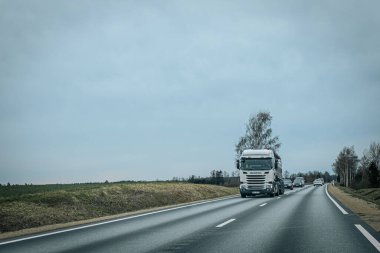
260, 173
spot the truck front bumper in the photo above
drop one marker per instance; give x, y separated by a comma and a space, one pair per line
254, 192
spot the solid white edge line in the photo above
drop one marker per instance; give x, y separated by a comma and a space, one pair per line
337, 205
369, 237
225, 223
111, 221
263, 204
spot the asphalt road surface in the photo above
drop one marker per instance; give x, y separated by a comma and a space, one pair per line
302, 220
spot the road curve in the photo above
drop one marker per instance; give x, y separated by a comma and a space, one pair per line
302, 220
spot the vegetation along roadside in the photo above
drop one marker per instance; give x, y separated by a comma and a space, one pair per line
28, 206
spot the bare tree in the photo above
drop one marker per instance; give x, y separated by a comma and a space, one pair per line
363, 171
369, 156
235, 173
258, 134
374, 153
345, 165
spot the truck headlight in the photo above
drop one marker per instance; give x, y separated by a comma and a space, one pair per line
243, 186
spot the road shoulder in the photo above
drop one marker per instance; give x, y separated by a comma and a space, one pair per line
367, 211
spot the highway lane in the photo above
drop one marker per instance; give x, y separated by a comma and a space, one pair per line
305, 221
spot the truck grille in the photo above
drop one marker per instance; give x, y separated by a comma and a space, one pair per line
256, 182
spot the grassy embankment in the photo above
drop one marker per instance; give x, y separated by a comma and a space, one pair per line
30, 206
369, 194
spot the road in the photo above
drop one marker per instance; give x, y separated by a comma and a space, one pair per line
302, 220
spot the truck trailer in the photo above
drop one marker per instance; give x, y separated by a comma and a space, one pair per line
260, 173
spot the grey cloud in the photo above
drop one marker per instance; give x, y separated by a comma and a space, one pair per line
95, 86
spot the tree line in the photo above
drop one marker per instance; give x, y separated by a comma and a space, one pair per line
358, 173
217, 177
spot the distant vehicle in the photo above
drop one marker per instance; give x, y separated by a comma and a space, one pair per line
288, 183
322, 180
260, 173
317, 182
299, 182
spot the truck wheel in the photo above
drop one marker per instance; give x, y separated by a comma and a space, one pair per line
277, 191
243, 195
273, 193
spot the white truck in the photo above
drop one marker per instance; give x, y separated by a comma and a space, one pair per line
260, 173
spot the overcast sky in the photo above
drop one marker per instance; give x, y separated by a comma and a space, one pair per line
143, 90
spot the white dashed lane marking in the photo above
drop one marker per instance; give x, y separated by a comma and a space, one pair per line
225, 223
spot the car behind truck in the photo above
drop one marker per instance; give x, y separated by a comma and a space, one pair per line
260, 173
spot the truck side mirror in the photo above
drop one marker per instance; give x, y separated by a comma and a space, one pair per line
237, 165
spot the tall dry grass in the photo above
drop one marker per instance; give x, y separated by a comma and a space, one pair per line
69, 203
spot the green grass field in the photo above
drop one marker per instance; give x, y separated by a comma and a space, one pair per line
27, 206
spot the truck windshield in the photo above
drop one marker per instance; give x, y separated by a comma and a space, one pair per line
256, 163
